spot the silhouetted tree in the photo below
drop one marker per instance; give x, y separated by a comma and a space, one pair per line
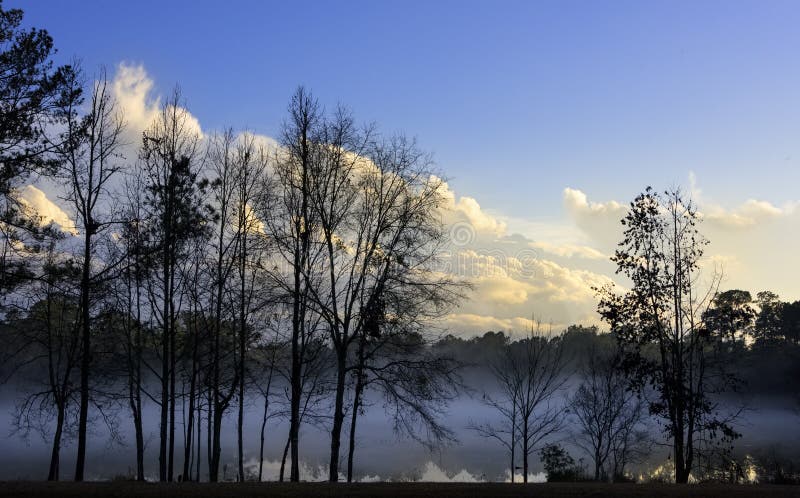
30, 89
658, 322
529, 373
168, 157
731, 316
49, 337
88, 153
609, 417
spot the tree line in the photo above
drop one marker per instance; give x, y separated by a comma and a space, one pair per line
207, 266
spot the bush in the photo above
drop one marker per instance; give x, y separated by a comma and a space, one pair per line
559, 465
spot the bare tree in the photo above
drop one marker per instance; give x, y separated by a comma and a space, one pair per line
506, 403
415, 381
530, 375
250, 164
89, 157
50, 339
129, 294
609, 416
290, 223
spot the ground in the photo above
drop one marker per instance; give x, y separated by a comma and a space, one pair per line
288, 490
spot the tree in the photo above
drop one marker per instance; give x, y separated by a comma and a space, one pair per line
30, 88
731, 316
658, 322
768, 327
609, 416
530, 374
382, 236
130, 294
89, 158
50, 342
505, 403
174, 214
559, 464
250, 175
415, 380
290, 222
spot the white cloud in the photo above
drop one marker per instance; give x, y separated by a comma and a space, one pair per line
569, 250
133, 93
467, 210
755, 242
40, 206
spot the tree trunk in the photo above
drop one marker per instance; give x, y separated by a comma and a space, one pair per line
261, 445
338, 414
55, 458
357, 394
513, 456
296, 381
187, 447
353, 418
240, 422
525, 451
283, 460
165, 347
86, 353
217, 447
172, 365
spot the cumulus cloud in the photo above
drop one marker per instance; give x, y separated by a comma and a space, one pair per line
753, 243
38, 205
133, 93
599, 220
569, 250
467, 210
748, 214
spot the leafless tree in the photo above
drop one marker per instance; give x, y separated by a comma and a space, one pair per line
530, 375
50, 337
89, 157
290, 223
609, 416
506, 403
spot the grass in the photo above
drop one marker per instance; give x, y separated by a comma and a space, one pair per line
439, 490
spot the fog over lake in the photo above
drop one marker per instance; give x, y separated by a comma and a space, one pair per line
380, 455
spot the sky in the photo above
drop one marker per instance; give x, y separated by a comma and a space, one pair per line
546, 118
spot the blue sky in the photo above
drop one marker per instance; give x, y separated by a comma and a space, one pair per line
518, 101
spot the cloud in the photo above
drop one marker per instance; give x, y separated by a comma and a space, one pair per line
599, 220
133, 91
40, 206
133, 94
748, 214
467, 210
569, 250
754, 242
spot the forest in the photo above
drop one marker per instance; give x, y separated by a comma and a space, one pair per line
235, 293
